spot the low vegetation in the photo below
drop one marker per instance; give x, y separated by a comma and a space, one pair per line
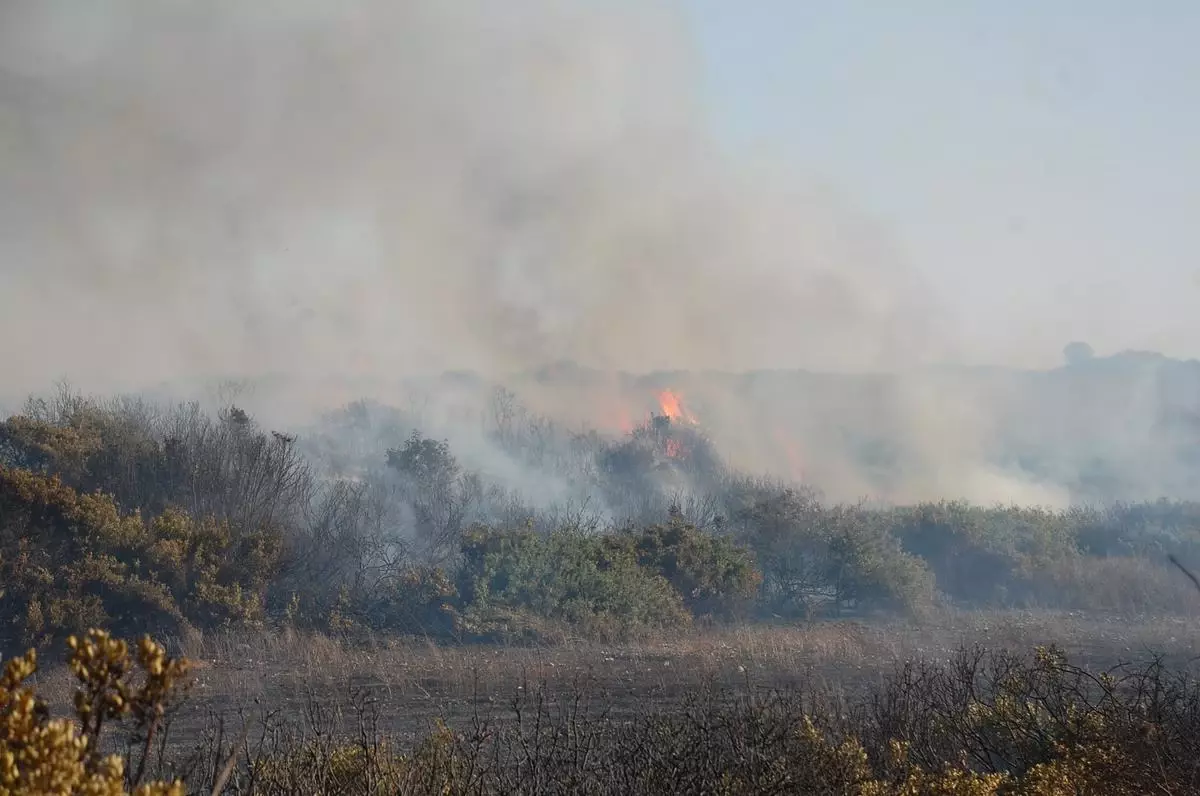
978, 724
123, 516
117, 694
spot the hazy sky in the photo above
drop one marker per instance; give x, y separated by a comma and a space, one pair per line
374, 187
1039, 162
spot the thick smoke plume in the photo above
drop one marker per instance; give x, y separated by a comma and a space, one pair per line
348, 194
375, 188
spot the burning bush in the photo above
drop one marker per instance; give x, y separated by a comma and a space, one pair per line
117, 514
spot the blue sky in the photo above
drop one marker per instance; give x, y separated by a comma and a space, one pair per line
1039, 163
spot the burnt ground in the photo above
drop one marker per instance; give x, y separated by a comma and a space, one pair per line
399, 687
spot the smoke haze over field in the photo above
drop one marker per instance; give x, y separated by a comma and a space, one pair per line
370, 190
380, 188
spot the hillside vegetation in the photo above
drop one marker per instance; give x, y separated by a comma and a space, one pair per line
132, 517
136, 518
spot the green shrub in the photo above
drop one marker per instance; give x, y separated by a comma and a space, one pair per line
986, 556
420, 600
715, 576
71, 561
824, 558
868, 569
564, 577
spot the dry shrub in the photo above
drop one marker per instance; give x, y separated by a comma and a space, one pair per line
1117, 584
982, 724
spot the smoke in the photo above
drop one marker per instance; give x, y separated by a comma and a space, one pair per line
346, 195
376, 189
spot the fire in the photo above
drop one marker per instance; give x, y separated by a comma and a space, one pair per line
671, 404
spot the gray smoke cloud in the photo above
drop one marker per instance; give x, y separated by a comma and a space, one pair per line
345, 194
371, 188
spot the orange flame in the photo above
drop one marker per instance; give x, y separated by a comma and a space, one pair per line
671, 404
673, 449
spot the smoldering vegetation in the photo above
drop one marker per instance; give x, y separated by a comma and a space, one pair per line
122, 512
332, 202
1121, 428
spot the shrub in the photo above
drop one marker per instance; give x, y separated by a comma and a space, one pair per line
1114, 584
420, 600
225, 467
39, 754
983, 556
714, 576
69, 561
868, 569
572, 578
814, 557
784, 529
440, 495
1150, 529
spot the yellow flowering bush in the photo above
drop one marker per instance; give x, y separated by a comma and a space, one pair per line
44, 756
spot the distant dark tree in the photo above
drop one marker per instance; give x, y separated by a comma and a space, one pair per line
436, 488
1078, 352
427, 461
148, 460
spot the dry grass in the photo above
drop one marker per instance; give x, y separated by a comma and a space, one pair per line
1124, 585
413, 681
410, 665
